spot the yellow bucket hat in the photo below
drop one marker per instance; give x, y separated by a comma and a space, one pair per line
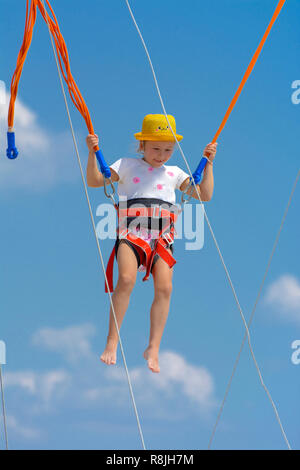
156, 128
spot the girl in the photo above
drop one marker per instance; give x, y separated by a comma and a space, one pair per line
146, 178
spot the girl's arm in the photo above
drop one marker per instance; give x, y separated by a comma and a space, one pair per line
206, 187
94, 177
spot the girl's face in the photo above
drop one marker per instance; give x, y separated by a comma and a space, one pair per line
157, 153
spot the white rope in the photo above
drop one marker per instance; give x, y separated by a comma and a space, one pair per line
97, 241
254, 308
211, 230
3, 410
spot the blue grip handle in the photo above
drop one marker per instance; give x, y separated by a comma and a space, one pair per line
11, 151
103, 165
199, 170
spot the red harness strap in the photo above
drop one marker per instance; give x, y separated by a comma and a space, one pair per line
146, 254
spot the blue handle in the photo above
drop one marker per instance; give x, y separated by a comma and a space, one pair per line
11, 151
103, 165
199, 170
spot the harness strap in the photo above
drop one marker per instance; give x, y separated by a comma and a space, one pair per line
145, 252
164, 253
110, 272
143, 247
160, 249
154, 212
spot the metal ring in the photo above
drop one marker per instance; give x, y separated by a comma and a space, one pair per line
183, 200
110, 195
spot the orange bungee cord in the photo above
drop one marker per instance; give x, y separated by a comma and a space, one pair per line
64, 64
75, 94
203, 161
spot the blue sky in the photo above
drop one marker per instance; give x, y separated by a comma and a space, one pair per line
54, 312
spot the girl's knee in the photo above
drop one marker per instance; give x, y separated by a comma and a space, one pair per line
126, 282
164, 289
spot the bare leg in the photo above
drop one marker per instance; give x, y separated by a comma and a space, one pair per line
127, 276
162, 276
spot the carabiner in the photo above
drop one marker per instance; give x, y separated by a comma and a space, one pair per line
107, 194
183, 199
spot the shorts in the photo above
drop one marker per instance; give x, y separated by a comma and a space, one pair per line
135, 251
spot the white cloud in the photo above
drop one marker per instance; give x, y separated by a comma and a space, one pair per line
25, 379
73, 341
44, 159
284, 294
177, 376
180, 390
43, 386
54, 383
24, 431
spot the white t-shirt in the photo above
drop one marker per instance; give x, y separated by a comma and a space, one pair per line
139, 179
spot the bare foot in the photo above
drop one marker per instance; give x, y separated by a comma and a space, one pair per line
151, 356
109, 355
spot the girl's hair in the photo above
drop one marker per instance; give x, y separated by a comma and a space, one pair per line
141, 146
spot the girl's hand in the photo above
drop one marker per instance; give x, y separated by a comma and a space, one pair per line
210, 151
92, 141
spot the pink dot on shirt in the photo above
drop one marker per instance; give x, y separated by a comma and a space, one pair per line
170, 173
159, 186
150, 168
136, 179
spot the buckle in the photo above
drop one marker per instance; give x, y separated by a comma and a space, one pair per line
168, 238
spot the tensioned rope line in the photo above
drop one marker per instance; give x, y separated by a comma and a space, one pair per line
254, 308
97, 241
3, 410
251, 65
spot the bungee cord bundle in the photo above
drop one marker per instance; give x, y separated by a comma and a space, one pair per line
59, 48
197, 173
64, 72
63, 59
